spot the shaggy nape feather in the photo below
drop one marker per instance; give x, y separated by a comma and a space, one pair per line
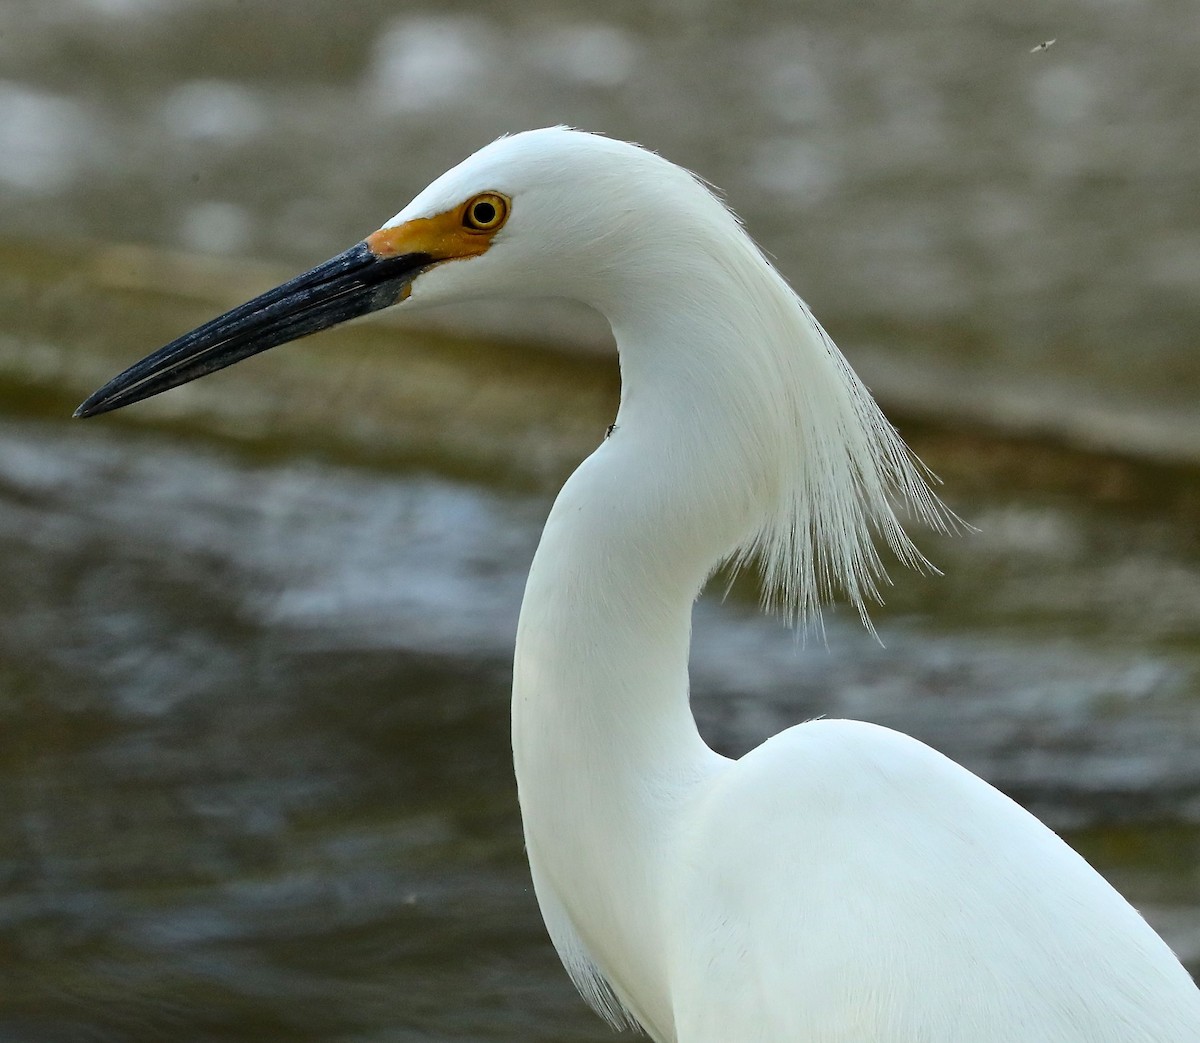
850, 472
843, 471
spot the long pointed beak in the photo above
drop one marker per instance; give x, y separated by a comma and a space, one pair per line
353, 283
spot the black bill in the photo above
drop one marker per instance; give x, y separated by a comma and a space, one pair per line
351, 284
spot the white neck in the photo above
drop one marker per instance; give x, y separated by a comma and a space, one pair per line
740, 428
604, 741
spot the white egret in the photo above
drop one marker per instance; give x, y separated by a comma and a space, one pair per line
841, 883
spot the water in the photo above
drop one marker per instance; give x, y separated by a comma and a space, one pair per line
256, 783
255, 634
1008, 235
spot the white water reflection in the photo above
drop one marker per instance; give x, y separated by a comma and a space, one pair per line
43, 139
214, 112
422, 63
590, 53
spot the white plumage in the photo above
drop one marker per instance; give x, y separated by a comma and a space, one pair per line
841, 883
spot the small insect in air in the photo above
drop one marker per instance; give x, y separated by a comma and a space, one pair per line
1045, 45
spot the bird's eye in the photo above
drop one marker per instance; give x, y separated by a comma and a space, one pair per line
486, 212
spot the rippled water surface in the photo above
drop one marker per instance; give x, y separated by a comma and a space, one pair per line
255, 634
256, 779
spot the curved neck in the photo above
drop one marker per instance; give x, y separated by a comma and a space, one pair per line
600, 682
604, 742
600, 676
605, 746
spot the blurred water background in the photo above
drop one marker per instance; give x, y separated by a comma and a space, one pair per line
254, 635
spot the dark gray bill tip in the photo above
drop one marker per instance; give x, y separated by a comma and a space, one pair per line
353, 283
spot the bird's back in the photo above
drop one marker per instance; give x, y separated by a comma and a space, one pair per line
845, 883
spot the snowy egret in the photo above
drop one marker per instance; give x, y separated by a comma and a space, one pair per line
841, 883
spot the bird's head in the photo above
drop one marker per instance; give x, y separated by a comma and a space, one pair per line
709, 330
538, 214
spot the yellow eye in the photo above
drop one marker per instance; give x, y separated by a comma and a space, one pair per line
486, 212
